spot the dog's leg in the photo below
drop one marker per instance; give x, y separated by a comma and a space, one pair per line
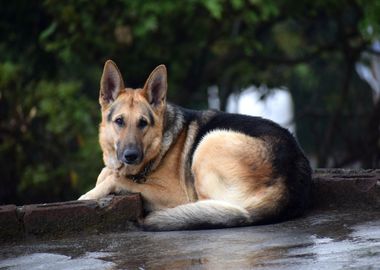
110, 182
102, 189
233, 180
235, 168
154, 193
104, 174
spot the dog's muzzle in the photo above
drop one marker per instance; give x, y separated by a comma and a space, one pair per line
132, 155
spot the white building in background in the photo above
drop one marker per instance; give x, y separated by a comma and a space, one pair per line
369, 70
274, 104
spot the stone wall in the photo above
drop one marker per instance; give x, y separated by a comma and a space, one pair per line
333, 189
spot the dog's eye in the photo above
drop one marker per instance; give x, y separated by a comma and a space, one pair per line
119, 121
142, 123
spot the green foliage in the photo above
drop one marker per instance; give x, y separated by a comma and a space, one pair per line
48, 129
52, 52
369, 24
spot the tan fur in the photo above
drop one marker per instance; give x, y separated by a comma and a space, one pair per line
230, 173
166, 186
131, 105
162, 190
231, 166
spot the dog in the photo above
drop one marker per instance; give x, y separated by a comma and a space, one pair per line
195, 169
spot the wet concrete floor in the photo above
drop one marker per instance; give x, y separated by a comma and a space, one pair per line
321, 240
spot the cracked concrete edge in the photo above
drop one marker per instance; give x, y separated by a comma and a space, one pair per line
332, 189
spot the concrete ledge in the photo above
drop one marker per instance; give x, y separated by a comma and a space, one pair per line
346, 188
333, 189
112, 213
10, 224
57, 217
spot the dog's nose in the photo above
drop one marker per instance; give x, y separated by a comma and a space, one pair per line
131, 156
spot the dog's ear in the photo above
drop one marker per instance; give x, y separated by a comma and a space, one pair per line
110, 84
156, 87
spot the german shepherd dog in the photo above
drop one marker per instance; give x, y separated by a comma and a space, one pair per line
195, 169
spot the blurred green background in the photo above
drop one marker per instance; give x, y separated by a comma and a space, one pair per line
52, 53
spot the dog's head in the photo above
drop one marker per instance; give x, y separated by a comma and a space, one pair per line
132, 119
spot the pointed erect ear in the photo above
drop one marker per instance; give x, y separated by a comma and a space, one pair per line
110, 84
156, 86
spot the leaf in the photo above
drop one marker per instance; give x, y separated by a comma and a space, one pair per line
48, 32
214, 7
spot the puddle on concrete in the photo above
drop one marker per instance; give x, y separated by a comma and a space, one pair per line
55, 261
322, 240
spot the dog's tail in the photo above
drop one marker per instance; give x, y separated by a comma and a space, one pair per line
205, 214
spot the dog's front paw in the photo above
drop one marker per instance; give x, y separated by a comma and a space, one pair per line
84, 197
88, 196
101, 190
